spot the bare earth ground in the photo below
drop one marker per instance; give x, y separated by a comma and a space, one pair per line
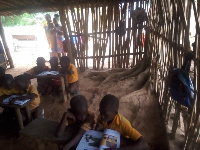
141, 108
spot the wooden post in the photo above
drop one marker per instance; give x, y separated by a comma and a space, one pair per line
7, 51
63, 19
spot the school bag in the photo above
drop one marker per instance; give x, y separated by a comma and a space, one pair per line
181, 87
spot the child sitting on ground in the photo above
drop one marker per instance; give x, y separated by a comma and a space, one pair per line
110, 118
42, 82
70, 69
54, 64
23, 84
8, 86
56, 83
2, 72
78, 115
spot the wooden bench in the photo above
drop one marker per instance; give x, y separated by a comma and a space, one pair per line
17, 41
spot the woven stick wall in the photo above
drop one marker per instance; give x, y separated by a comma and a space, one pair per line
169, 23
96, 33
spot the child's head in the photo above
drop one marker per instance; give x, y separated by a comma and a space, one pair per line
22, 82
2, 71
55, 21
40, 62
48, 18
54, 62
64, 62
108, 107
79, 107
7, 81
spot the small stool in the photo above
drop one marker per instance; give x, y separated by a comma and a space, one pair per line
40, 135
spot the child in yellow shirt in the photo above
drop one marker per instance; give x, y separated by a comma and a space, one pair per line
111, 119
78, 116
8, 86
70, 69
22, 83
42, 82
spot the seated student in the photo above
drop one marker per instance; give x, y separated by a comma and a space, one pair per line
110, 118
2, 72
54, 64
56, 83
23, 84
70, 69
8, 86
78, 115
42, 82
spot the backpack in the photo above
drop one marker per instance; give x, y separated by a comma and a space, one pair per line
181, 87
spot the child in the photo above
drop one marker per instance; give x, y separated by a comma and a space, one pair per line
54, 64
39, 68
110, 118
70, 69
78, 115
8, 87
42, 82
56, 83
2, 72
22, 83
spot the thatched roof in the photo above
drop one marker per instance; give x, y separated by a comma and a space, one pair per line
17, 7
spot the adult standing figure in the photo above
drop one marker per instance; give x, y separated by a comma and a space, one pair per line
47, 28
58, 37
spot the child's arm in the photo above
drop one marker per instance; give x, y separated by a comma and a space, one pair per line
22, 98
139, 144
75, 140
63, 122
67, 71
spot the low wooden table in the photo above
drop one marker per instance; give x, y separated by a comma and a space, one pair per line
64, 84
17, 110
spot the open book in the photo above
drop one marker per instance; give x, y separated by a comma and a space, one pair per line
95, 140
44, 73
17, 102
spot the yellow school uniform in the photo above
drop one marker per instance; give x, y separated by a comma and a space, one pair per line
74, 77
4, 91
32, 90
88, 124
122, 125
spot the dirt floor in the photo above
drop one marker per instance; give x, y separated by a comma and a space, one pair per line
140, 107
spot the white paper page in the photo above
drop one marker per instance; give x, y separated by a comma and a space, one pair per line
17, 102
110, 139
90, 141
44, 73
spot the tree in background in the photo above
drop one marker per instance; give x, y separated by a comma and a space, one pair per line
24, 19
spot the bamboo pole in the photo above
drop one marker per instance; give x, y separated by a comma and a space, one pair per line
62, 19
5, 45
86, 31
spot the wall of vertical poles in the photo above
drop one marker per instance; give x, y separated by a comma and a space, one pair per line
94, 33
169, 23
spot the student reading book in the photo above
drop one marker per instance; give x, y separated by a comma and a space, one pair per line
95, 140
109, 118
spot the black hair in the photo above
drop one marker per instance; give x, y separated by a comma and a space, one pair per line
41, 59
22, 78
77, 102
47, 15
53, 59
5, 78
109, 102
2, 71
56, 16
65, 59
